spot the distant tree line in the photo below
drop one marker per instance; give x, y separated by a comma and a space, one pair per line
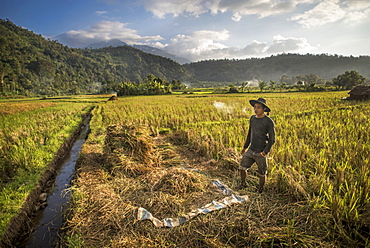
151, 85
284, 68
309, 83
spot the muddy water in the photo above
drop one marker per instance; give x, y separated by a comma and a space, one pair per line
46, 233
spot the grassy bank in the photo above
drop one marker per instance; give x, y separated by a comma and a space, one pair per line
31, 133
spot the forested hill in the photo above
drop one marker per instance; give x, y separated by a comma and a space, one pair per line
274, 67
31, 64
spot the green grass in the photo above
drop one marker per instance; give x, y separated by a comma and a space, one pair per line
29, 140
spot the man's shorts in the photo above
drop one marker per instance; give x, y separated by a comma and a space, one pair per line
249, 157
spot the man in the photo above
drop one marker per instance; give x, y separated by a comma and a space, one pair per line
261, 137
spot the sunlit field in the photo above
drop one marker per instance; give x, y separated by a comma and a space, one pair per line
141, 148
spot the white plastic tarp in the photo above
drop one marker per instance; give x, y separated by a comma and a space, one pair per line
144, 214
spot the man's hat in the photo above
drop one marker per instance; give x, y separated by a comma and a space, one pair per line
261, 101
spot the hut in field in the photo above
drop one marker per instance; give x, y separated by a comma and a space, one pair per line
360, 92
112, 98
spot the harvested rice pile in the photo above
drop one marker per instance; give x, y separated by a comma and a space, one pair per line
133, 141
134, 169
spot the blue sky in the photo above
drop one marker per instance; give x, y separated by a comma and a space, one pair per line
203, 29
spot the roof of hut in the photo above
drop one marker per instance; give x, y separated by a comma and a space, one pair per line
360, 90
113, 98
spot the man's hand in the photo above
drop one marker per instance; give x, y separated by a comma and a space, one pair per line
263, 154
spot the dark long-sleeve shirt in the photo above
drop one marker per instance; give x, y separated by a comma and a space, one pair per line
261, 134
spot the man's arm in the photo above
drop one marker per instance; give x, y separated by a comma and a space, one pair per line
271, 138
247, 141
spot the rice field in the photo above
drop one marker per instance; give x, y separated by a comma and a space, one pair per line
161, 152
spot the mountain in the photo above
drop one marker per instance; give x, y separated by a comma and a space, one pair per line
144, 48
31, 64
108, 43
159, 52
275, 67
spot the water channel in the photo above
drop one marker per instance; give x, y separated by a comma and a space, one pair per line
46, 233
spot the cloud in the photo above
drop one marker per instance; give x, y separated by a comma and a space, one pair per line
160, 8
255, 48
103, 31
356, 17
199, 44
283, 44
325, 12
207, 44
358, 10
329, 11
101, 12
261, 8
239, 8
357, 4
236, 17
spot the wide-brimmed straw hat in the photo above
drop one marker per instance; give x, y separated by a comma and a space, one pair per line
261, 101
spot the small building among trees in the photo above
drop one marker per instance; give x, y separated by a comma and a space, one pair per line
360, 92
112, 98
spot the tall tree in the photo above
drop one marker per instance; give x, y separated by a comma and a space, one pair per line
262, 85
244, 86
272, 85
348, 80
5, 68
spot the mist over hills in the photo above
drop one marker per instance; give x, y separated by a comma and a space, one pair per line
162, 53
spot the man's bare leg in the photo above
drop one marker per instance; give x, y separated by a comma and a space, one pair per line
262, 183
243, 176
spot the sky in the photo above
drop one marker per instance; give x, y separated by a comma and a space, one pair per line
203, 29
